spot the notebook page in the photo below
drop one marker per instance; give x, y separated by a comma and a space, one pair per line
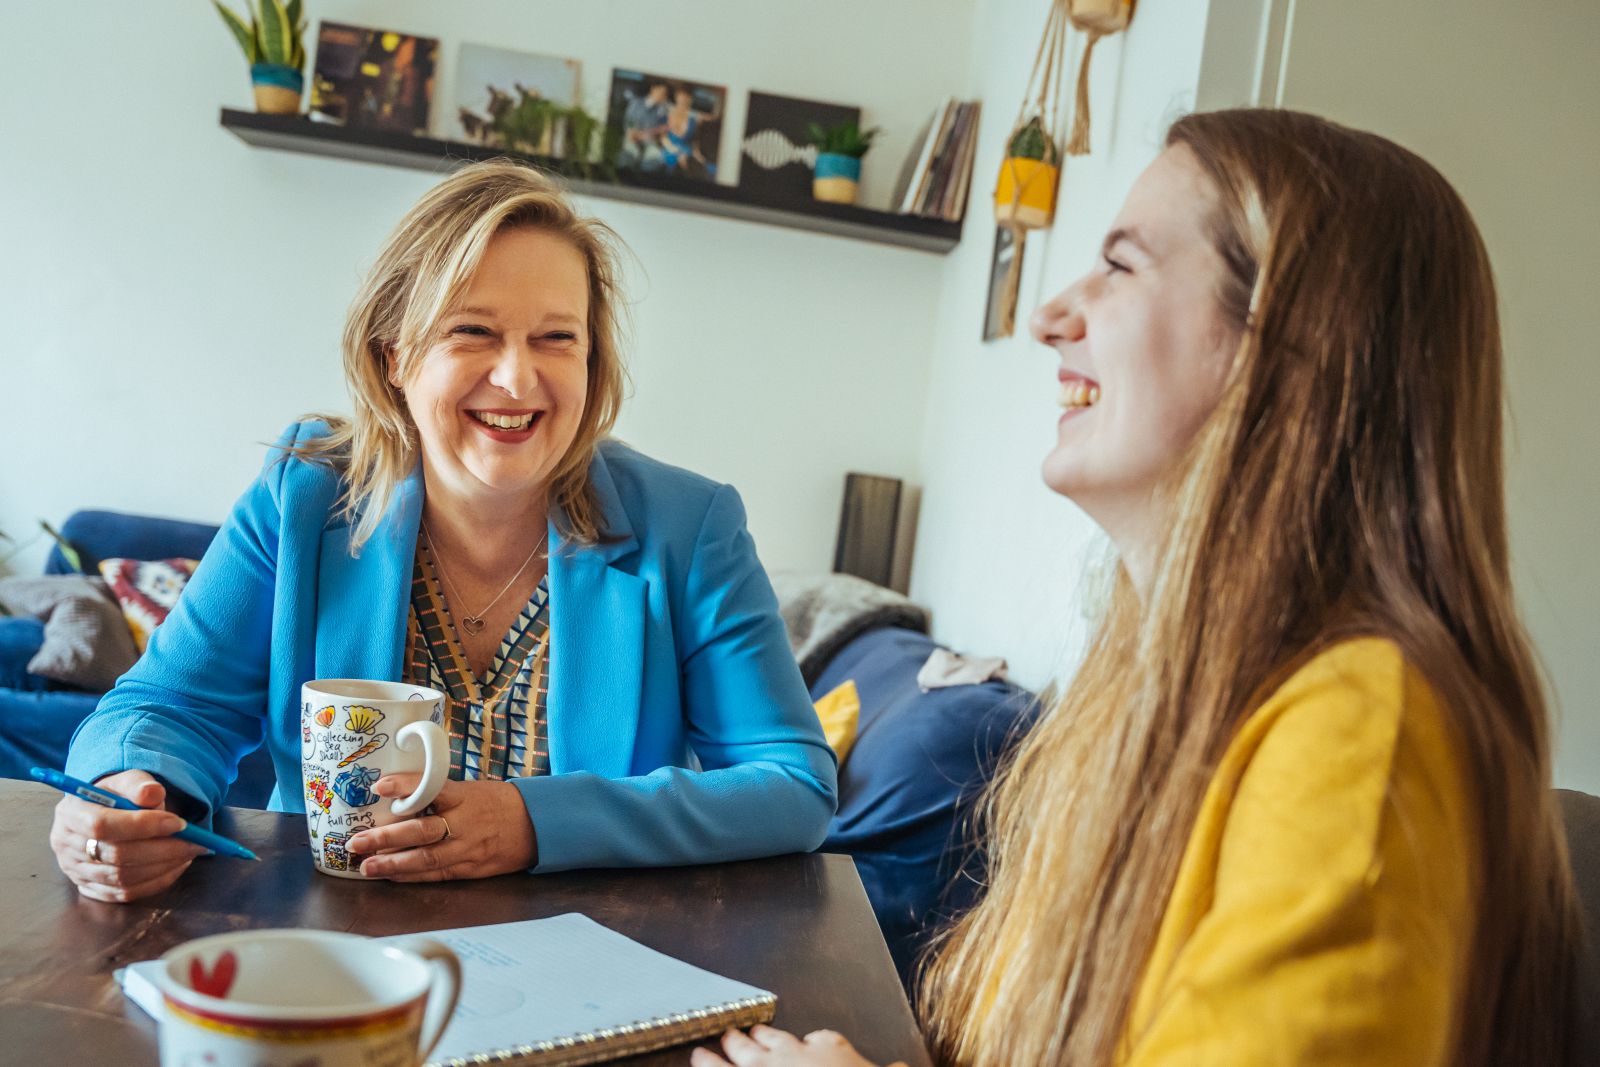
541, 979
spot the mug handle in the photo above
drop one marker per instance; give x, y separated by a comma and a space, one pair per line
435, 765
442, 991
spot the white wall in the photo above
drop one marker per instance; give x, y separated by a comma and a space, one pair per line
1001, 559
172, 297
1502, 98
1505, 100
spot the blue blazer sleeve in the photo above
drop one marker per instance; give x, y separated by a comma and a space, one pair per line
766, 783
194, 704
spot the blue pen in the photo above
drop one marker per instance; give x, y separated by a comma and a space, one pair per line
95, 795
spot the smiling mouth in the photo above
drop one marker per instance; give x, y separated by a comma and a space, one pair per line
507, 421
1076, 393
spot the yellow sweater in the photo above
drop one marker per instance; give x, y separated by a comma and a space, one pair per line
1323, 906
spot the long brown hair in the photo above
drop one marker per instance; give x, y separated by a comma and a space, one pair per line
419, 275
1348, 483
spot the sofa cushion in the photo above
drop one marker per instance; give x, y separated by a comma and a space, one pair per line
85, 643
919, 761
840, 712
147, 591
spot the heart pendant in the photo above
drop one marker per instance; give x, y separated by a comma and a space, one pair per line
473, 624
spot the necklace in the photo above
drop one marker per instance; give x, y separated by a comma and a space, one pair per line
473, 621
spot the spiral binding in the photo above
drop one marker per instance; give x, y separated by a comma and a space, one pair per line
630, 1039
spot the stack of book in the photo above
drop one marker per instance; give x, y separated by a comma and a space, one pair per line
938, 172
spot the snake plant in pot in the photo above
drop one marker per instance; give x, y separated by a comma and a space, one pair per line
838, 167
273, 42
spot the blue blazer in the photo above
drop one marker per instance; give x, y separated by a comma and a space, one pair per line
680, 730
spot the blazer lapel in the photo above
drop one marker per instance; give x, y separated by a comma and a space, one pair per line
597, 628
362, 602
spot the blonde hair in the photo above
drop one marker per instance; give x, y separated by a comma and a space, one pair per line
420, 274
1348, 483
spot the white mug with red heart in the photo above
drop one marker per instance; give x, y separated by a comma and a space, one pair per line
352, 732
304, 998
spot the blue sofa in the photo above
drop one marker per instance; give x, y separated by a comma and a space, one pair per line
37, 717
908, 788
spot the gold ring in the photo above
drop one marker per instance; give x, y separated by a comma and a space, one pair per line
93, 849
446, 822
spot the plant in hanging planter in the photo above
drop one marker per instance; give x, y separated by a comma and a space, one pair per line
1026, 194
838, 166
273, 42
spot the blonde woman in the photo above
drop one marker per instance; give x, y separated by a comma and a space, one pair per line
1295, 809
471, 513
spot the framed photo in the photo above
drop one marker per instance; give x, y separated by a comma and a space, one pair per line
378, 79
667, 125
776, 158
492, 81
1000, 320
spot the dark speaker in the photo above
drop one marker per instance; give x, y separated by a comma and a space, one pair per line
868, 522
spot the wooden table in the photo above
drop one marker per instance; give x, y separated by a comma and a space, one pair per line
797, 925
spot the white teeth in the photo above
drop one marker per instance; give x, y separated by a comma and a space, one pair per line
504, 422
1078, 394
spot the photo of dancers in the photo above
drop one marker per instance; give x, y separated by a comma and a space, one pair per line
669, 126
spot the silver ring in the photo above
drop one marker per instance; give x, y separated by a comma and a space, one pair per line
446, 822
93, 849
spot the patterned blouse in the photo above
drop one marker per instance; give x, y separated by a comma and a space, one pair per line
497, 723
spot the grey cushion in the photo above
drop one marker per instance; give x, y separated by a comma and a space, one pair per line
87, 643
823, 613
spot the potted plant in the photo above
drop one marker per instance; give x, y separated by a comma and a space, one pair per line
838, 167
1026, 194
539, 127
273, 42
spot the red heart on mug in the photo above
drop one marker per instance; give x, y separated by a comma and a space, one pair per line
217, 982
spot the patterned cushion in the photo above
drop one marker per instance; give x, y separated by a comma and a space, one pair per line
147, 590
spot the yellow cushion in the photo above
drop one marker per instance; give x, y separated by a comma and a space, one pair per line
840, 711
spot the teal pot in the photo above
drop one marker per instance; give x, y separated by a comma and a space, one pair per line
837, 178
277, 88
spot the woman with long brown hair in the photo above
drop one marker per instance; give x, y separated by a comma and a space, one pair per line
1295, 806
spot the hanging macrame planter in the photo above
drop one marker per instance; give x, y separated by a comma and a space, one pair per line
1096, 19
1030, 176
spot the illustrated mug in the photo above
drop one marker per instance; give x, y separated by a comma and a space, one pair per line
304, 998
352, 732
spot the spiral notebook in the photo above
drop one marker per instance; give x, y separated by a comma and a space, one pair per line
564, 991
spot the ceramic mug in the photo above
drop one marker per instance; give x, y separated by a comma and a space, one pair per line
304, 998
352, 732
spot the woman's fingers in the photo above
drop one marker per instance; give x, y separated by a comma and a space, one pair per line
109, 824
478, 829
130, 891
147, 852
115, 855
433, 863
767, 1046
742, 1049
408, 833
772, 1038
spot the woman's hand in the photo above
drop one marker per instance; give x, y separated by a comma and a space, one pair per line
767, 1046
477, 829
120, 856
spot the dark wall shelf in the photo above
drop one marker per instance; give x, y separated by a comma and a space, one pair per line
296, 133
